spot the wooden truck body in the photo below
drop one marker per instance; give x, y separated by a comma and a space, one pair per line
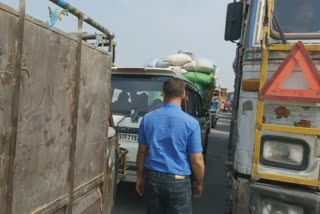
55, 155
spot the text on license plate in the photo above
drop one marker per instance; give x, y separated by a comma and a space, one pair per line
128, 137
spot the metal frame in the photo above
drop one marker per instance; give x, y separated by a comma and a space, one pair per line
81, 16
110, 147
255, 175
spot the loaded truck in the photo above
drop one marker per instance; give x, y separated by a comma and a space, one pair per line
56, 155
199, 71
137, 91
274, 139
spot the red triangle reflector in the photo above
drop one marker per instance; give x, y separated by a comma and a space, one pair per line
298, 56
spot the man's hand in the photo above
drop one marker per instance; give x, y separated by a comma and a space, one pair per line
198, 189
141, 156
140, 186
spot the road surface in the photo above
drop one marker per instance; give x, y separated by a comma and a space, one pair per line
213, 200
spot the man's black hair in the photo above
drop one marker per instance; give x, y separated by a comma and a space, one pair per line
173, 88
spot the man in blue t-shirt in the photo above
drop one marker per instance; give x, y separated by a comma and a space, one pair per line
169, 152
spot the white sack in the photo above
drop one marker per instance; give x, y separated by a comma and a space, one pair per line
199, 65
178, 59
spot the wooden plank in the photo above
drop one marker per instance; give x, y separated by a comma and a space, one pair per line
42, 159
93, 111
15, 104
74, 118
90, 203
7, 52
109, 175
78, 193
44, 124
110, 149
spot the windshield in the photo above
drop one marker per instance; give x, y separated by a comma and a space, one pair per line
139, 93
297, 17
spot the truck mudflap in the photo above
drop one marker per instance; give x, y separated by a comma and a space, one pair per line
258, 198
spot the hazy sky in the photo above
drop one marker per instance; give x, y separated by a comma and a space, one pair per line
148, 29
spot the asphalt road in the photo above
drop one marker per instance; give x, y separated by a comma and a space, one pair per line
213, 199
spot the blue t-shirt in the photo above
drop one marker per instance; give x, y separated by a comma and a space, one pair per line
171, 135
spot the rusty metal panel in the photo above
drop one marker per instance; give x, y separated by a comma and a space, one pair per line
7, 54
42, 156
110, 174
92, 119
90, 203
42, 160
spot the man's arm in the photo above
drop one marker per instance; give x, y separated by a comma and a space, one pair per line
141, 156
196, 160
197, 165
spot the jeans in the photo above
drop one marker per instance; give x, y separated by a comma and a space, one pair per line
164, 194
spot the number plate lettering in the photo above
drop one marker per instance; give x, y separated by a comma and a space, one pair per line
128, 137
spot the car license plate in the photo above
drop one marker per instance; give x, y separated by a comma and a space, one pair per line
126, 137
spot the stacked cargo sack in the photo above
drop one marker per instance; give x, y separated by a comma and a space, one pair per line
199, 71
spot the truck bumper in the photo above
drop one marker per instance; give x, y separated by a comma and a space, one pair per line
259, 198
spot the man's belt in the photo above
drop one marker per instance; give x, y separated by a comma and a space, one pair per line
177, 177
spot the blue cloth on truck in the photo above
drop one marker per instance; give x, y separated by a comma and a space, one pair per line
215, 106
171, 135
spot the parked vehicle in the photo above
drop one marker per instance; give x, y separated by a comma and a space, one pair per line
226, 106
215, 107
137, 91
55, 154
274, 139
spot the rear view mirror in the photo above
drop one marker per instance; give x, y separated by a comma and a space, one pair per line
233, 21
